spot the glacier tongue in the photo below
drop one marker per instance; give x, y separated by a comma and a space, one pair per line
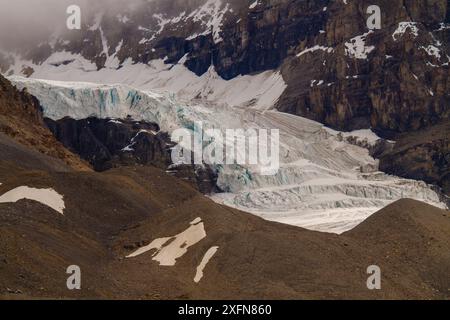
321, 184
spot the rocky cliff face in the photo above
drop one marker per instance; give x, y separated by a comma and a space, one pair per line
337, 71
21, 118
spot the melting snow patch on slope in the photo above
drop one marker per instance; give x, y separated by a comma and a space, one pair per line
169, 249
48, 197
208, 255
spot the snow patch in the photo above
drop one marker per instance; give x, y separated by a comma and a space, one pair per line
211, 15
253, 5
432, 51
363, 135
130, 148
48, 197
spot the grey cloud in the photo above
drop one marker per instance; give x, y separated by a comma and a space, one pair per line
25, 22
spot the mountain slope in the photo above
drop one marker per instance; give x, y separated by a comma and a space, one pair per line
104, 222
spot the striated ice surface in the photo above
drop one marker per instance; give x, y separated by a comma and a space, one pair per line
324, 183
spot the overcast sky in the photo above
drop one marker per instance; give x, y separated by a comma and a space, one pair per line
24, 20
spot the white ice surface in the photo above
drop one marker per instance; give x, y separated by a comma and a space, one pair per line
324, 182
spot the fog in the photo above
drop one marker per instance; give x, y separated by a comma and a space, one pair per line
25, 22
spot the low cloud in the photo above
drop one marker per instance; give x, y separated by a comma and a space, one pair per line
25, 22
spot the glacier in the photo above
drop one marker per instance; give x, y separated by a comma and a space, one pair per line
261, 90
324, 183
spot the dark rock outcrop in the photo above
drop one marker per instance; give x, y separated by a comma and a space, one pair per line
21, 118
108, 143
